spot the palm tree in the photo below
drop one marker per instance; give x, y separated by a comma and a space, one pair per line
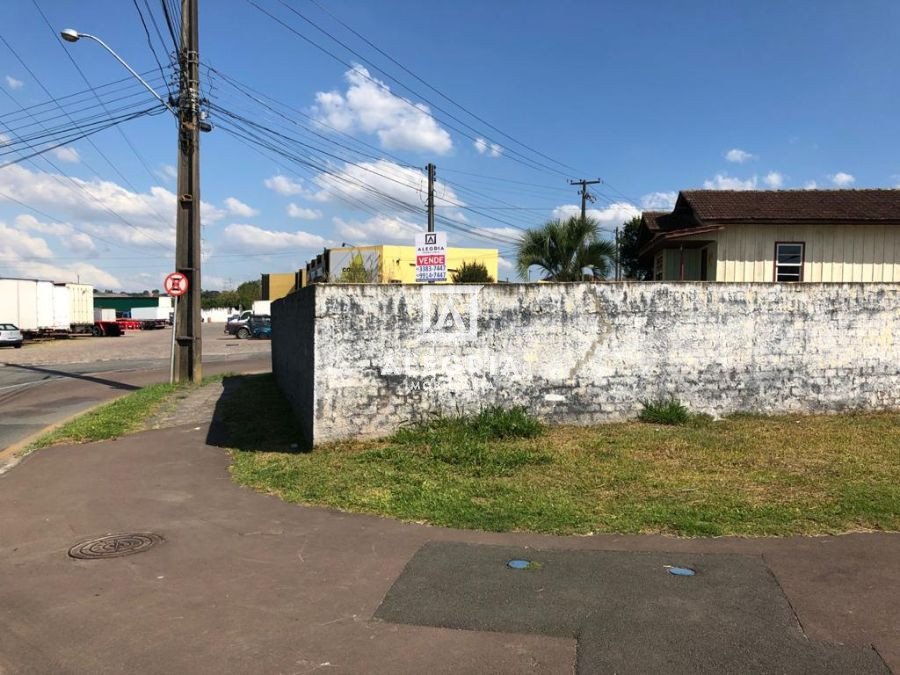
567, 250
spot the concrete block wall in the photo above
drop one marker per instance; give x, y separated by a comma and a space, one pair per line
360, 360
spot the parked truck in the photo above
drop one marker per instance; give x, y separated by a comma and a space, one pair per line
46, 308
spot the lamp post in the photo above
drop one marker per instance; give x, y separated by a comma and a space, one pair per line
72, 35
188, 343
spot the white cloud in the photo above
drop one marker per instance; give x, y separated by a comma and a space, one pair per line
167, 172
354, 183
739, 156
725, 182
369, 106
302, 213
14, 244
841, 179
73, 240
13, 83
511, 233
659, 201
239, 208
253, 239
94, 203
608, 218
505, 265
4, 139
83, 272
483, 146
283, 185
773, 179
810, 185
377, 230
67, 154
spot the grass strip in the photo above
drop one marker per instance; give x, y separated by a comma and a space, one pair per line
744, 475
123, 416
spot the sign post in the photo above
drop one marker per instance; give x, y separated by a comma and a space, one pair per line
431, 256
176, 285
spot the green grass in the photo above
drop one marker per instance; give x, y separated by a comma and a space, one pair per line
125, 415
744, 475
665, 411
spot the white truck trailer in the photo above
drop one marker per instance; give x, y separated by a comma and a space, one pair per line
39, 307
31, 305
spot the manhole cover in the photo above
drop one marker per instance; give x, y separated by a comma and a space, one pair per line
115, 545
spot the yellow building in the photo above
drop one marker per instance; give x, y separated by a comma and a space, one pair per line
391, 264
784, 235
276, 286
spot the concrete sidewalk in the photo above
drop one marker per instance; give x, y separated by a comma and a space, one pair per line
245, 583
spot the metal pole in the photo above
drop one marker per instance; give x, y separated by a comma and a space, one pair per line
188, 348
430, 168
174, 326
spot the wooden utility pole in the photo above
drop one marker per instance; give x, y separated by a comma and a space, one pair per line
617, 254
188, 351
585, 195
430, 168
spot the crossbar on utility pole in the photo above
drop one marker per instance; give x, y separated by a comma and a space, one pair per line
585, 195
431, 169
188, 347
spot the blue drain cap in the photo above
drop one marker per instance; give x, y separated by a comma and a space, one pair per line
681, 571
519, 564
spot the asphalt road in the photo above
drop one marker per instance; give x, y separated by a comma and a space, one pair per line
33, 396
243, 582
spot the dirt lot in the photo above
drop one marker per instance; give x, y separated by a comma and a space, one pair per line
134, 344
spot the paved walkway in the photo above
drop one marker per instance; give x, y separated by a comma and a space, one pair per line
245, 583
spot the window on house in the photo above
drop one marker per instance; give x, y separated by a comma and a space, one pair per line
658, 267
789, 261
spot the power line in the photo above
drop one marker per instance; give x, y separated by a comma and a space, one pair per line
512, 154
436, 90
127, 140
140, 14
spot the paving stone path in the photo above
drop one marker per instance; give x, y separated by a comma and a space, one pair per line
194, 406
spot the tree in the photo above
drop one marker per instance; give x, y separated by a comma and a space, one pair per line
566, 250
472, 273
633, 267
358, 273
247, 292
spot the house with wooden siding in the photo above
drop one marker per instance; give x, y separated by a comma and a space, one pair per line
775, 235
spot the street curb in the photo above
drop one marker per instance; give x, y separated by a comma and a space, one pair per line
8, 456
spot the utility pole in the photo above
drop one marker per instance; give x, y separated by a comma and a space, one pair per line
585, 195
188, 351
430, 168
617, 254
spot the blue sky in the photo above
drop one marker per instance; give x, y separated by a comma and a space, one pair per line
651, 97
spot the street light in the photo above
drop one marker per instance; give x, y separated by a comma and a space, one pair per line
72, 35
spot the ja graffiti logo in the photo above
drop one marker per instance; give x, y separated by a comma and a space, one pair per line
450, 313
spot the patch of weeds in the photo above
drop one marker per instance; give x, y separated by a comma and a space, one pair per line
125, 415
497, 422
664, 411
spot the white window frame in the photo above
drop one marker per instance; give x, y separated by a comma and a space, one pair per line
789, 269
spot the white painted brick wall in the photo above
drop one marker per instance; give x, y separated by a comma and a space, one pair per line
585, 353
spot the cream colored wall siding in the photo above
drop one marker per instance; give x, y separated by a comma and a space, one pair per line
833, 253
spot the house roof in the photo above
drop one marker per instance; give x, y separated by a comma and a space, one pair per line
794, 205
698, 211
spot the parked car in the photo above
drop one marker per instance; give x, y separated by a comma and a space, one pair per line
236, 322
10, 335
260, 327
244, 328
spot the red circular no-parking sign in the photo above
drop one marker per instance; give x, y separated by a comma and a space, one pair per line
176, 284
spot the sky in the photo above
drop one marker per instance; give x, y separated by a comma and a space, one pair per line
317, 144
